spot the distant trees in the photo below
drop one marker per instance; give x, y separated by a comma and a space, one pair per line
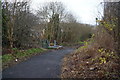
53, 30
75, 32
22, 28
49, 9
52, 14
61, 25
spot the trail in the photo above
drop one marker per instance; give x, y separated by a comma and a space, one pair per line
47, 65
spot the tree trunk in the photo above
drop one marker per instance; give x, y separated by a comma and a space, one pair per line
118, 32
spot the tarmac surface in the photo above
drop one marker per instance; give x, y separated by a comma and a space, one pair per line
46, 65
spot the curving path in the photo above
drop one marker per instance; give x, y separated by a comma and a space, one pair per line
46, 65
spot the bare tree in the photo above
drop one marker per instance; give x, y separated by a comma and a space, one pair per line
49, 9
10, 14
52, 14
17, 22
112, 18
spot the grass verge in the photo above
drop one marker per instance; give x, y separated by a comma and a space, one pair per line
19, 55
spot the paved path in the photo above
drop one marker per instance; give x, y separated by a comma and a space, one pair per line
47, 65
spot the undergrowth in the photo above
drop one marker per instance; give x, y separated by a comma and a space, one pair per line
96, 59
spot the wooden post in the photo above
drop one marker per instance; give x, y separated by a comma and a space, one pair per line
96, 21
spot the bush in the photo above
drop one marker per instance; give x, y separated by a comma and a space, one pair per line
96, 59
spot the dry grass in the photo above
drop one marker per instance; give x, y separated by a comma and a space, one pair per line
98, 59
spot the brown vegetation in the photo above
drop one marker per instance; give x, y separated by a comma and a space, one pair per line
97, 59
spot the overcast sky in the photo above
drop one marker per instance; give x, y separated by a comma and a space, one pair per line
85, 11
